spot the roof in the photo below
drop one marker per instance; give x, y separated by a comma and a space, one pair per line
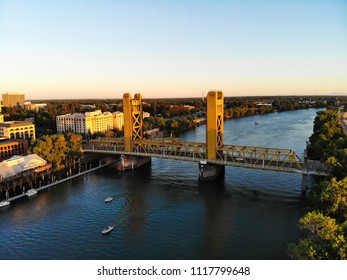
15, 123
4, 140
18, 164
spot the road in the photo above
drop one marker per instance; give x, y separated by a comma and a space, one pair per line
343, 119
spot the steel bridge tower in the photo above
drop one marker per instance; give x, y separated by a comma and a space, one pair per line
214, 123
214, 135
133, 121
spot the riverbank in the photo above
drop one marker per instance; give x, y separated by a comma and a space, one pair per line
57, 182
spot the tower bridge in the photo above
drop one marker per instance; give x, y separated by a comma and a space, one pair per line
211, 156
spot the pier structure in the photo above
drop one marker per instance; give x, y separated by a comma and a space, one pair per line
23, 181
212, 156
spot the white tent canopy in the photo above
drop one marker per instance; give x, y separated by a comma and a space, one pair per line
18, 164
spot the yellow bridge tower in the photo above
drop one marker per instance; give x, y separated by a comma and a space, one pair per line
214, 135
214, 123
132, 110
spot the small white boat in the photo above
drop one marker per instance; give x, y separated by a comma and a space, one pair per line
31, 192
109, 199
256, 122
107, 229
4, 203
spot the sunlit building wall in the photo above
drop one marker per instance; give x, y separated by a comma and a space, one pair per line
90, 122
17, 130
13, 99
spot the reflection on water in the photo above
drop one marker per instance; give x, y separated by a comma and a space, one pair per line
161, 211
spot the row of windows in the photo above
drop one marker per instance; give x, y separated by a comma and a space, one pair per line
10, 154
25, 128
14, 151
9, 147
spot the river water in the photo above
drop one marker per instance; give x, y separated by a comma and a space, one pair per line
161, 211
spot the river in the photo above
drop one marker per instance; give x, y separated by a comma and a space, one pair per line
161, 211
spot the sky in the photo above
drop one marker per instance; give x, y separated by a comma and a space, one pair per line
183, 48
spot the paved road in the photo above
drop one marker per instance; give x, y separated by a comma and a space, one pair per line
343, 119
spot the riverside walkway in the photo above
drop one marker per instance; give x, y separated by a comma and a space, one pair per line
56, 182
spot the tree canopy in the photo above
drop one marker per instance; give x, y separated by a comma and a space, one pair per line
326, 224
56, 148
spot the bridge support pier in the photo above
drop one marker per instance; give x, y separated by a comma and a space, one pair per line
209, 172
131, 162
304, 183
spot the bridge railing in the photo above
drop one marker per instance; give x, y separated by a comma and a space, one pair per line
174, 148
263, 156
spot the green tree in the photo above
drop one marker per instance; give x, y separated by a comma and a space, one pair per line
326, 240
43, 148
60, 149
52, 148
74, 144
331, 198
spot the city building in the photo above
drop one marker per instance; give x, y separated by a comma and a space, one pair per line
18, 165
17, 130
146, 115
13, 99
1, 118
87, 107
118, 120
10, 148
89, 122
34, 106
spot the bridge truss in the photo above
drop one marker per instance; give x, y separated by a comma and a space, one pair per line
276, 159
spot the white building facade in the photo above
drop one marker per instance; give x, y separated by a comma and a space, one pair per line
90, 122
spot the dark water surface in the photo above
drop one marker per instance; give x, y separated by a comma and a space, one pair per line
162, 212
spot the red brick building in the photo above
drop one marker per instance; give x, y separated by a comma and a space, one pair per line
9, 148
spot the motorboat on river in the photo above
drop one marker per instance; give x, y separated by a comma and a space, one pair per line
107, 229
109, 199
4, 203
31, 192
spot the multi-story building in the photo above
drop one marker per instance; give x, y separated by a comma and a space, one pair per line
1, 118
13, 99
10, 148
90, 122
17, 130
34, 106
118, 120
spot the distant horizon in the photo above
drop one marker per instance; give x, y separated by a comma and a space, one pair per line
82, 49
199, 97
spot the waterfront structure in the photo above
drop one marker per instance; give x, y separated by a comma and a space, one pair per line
13, 99
19, 165
10, 148
17, 130
89, 122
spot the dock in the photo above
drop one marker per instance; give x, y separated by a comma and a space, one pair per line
61, 181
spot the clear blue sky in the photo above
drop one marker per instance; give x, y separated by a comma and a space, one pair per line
102, 49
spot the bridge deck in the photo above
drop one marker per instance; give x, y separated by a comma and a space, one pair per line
276, 159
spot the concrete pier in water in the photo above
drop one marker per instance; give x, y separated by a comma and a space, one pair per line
209, 172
